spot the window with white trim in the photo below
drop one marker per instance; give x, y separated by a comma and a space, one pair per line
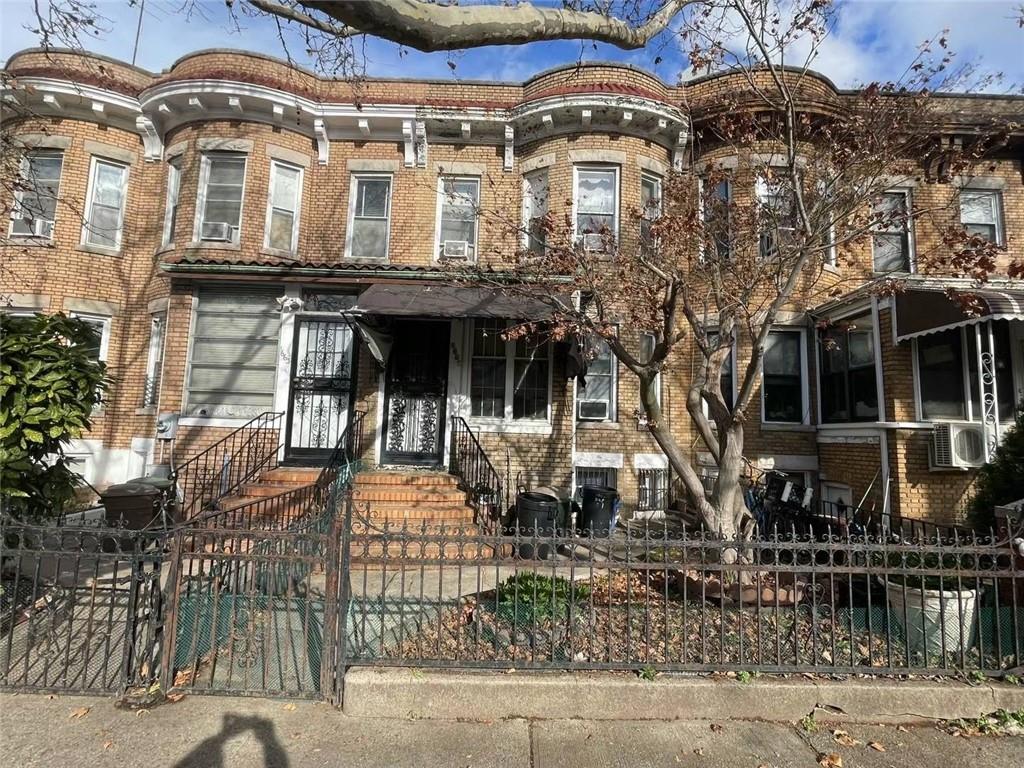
650, 207
35, 203
171, 202
783, 387
596, 204
846, 378
221, 193
154, 359
104, 204
508, 380
535, 208
654, 487
595, 398
777, 213
369, 216
891, 246
981, 213
458, 215
714, 210
283, 203
100, 324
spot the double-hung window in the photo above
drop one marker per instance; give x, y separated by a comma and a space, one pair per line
509, 380
283, 205
221, 191
100, 343
596, 206
171, 203
981, 213
35, 202
777, 214
890, 239
849, 389
595, 401
535, 208
154, 359
650, 207
104, 205
459, 203
715, 199
369, 216
783, 386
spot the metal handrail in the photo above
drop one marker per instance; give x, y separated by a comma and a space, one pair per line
236, 458
477, 476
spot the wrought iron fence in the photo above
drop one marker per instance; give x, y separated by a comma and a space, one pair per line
220, 469
477, 476
453, 597
837, 518
80, 609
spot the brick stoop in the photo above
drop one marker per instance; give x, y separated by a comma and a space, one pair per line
271, 483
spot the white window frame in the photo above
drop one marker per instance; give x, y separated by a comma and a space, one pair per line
997, 196
104, 321
617, 171
94, 163
908, 202
200, 212
173, 197
275, 167
613, 397
438, 245
529, 204
19, 195
353, 190
155, 356
805, 390
701, 211
763, 196
659, 184
510, 359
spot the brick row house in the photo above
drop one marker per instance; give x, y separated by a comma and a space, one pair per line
248, 237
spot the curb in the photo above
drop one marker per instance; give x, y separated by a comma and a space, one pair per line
444, 695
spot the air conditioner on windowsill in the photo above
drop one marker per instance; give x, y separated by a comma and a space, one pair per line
39, 228
456, 250
594, 242
216, 230
593, 410
957, 445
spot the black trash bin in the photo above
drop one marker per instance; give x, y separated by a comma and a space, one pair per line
597, 513
537, 514
131, 505
168, 495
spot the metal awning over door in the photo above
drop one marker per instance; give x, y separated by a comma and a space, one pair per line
448, 301
920, 311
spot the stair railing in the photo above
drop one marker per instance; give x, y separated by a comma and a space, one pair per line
469, 462
237, 458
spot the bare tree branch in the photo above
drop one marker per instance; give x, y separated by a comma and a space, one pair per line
290, 13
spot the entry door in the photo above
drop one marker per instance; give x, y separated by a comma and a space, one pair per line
415, 390
321, 389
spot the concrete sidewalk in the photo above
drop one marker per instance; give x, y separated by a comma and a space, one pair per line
221, 732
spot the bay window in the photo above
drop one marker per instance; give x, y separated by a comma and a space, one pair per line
596, 206
369, 216
981, 213
890, 239
849, 390
221, 192
35, 203
535, 208
783, 390
283, 202
509, 380
595, 399
104, 205
459, 204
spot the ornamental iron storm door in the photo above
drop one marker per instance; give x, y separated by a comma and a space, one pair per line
321, 389
416, 388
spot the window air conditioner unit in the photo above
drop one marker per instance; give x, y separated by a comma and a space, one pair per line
958, 445
593, 410
42, 228
593, 241
455, 249
216, 230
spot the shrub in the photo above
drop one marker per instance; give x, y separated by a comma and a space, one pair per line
1002, 480
50, 381
533, 596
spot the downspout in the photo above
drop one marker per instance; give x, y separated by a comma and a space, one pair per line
883, 444
883, 434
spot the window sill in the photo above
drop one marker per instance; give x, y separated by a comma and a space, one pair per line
583, 424
781, 426
832, 269
214, 245
349, 259
165, 248
231, 422
511, 427
98, 249
27, 241
279, 252
149, 410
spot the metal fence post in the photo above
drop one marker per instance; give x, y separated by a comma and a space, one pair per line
344, 593
171, 606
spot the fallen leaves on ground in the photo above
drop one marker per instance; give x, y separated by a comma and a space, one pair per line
716, 728
289, 707
79, 713
876, 746
844, 739
830, 760
108, 744
174, 698
141, 712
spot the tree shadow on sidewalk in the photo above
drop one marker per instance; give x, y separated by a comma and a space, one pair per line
209, 753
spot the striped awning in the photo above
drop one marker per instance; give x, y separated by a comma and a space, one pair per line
920, 311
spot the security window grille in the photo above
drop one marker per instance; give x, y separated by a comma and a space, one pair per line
171, 204
782, 384
509, 380
848, 386
221, 192
233, 364
369, 219
283, 206
105, 204
460, 203
650, 208
980, 213
596, 205
601, 476
154, 360
535, 208
35, 204
595, 400
890, 239
653, 489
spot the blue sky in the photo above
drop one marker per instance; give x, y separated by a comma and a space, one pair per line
873, 39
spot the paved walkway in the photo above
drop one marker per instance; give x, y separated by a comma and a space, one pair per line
221, 732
